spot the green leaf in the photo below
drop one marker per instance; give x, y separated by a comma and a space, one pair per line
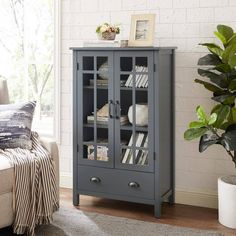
220, 37
232, 40
232, 85
222, 114
219, 80
226, 99
233, 115
229, 138
191, 134
209, 86
224, 68
201, 114
214, 48
207, 140
216, 108
196, 124
228, 53
212, 119
232, 61
226, 31
209, 59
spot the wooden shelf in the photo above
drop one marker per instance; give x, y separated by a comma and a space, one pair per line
122, 127
98, 87
121, 88
93, 143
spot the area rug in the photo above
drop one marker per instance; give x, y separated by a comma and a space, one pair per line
73, 222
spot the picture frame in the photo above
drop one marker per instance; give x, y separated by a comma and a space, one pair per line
142, 30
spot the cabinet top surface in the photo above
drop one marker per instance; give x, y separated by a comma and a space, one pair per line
121, 48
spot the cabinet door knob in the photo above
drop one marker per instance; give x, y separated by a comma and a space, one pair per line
95, 180
133, 184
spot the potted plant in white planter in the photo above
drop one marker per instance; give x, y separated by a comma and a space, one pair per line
219, 127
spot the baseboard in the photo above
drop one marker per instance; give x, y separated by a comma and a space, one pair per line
193, 198
66, 181
196, 198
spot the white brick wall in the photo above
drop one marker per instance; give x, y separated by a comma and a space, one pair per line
182, 23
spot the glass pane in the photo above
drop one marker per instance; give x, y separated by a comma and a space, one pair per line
101, 153
136, 150
126, 64
88, 63
126, 156
27, 57
139, 113
141, 62
134, 104
142, 157
88, 99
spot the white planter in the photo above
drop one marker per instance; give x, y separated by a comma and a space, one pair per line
227, 201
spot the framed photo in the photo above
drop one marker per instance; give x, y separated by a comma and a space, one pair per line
142, 30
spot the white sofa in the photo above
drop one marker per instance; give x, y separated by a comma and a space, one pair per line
7, 171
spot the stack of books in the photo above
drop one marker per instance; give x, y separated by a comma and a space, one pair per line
103, 120
141, 80
140, 157
102, 150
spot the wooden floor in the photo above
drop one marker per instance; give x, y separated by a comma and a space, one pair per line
179, 215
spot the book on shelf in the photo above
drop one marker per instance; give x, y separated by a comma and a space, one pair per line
139, 142
144, 154
140, 79
140, 152
103, 120
140, 157
102, 150
128, 152
102, 43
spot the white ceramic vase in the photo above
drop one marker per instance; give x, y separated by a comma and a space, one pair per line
227, 201
141, 116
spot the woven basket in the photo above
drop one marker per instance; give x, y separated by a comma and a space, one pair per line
107, 36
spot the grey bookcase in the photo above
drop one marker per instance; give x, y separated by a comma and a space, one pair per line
111, 158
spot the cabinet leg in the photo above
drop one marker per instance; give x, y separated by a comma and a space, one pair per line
75, 199
157, 210
172, 199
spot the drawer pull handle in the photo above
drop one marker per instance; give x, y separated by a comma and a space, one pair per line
95, 180
133, 185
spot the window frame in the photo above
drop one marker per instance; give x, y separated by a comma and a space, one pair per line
57, 70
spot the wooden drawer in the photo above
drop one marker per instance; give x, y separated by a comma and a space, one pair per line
113, 181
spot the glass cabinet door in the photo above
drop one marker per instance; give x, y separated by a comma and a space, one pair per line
133, 125
95, 108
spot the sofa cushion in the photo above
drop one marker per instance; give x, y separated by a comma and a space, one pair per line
15, 125
6, 175
7, 214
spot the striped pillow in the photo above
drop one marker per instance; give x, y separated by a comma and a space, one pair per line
15, 125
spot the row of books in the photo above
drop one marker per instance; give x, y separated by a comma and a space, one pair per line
141, 80
140, 157
103, 120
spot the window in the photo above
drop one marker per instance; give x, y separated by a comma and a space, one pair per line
27, 49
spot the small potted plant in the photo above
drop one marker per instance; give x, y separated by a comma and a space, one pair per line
219, 127
107, 31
